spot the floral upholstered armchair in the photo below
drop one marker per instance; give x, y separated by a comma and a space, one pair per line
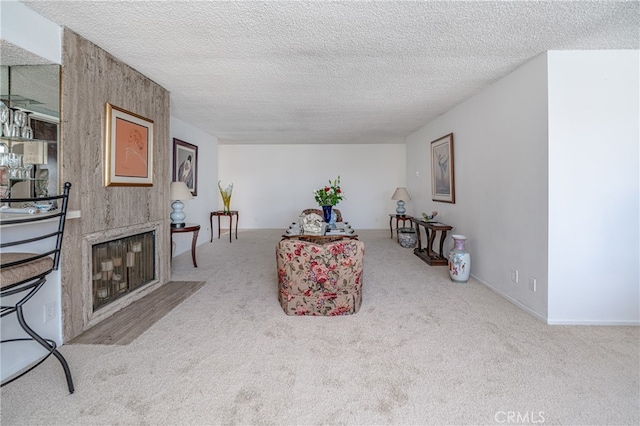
320, 279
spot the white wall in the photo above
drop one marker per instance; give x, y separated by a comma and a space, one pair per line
547, 182
197, 209
500, 165
23, 27
274, 183
594, 229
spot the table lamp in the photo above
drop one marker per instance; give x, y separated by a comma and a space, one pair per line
178, 192
401, 194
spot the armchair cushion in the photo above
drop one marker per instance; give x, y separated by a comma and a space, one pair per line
320, 279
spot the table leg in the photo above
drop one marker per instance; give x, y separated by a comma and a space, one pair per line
193, 246
419, 238
390, 227
211, 226
443, 235
218, 226
230, 225
430, 236
237, 220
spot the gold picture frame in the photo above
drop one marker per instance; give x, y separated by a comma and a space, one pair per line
443, 186
128, 155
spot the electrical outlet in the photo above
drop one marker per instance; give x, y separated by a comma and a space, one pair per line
49, 311
514, 275
533, 284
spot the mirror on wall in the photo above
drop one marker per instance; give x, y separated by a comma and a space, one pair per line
30, 120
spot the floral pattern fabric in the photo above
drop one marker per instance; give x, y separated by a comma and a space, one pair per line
320, 279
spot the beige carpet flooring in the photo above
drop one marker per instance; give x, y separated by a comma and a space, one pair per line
422, 350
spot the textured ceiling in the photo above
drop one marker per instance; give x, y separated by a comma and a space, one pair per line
334, 71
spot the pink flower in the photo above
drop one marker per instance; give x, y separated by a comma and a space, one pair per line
339, 310
328, 296
301, 310
337, 249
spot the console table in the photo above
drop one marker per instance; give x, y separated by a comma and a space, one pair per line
427, 254
189, 227
219, 213
399, 218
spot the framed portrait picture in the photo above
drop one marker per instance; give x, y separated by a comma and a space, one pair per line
442, 178
185, 164
128, 148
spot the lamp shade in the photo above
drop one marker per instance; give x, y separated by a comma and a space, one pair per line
401, 194
179, 191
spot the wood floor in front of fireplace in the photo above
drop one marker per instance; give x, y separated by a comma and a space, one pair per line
126, 325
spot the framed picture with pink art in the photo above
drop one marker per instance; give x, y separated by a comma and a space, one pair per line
442, 178
128, 148
185, 164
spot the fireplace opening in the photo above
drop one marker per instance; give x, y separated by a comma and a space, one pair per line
121, 266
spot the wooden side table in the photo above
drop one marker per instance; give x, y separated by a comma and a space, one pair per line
189, 227
427, 254
231, 214
399, 218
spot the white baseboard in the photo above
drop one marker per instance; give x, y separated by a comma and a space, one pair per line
511, 299
601, 323
552, 321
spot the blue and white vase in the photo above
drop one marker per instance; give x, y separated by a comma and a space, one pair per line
334, 218
459, 260
326, 213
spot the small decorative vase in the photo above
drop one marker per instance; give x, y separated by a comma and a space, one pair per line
326, 213
226, 196
459, 260
334, 218
407, 237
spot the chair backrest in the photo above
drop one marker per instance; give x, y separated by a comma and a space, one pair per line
319, 213
59, 214
306, 253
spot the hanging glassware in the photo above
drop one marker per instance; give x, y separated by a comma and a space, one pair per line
27, 131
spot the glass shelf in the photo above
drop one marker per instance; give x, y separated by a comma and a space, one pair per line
22, 140
14, 179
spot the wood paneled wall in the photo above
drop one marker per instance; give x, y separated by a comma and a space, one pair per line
91, 77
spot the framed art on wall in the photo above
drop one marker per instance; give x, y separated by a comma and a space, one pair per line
185, 164
128, 148
442, 178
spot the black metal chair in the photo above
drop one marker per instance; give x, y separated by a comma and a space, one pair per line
24, 273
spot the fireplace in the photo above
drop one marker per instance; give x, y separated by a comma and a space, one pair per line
120, 266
